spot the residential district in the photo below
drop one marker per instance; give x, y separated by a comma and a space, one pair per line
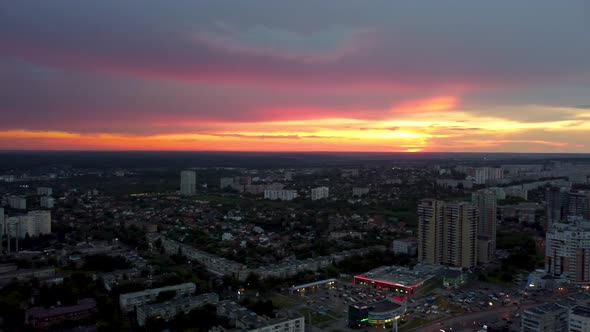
409, 246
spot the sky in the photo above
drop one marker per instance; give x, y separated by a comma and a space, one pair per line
305, 75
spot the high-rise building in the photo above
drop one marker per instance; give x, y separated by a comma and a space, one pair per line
447, 233
47, 202
578, 204
320, 193
579, 320
567, 251
281, 194
44, 191
33, 223
17, 202
188, 182
460, 235
556, 204
226, 182
486, 204
430, 230
549, 317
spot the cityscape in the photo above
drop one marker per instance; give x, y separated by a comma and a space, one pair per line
295, 166
461, 242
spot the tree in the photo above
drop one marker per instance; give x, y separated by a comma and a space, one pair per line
253, 281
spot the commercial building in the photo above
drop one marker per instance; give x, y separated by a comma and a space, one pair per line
42, 318
188, 182
447, 233
281, 194
485, 202
382, 314
130, 301
34, 223
545, 318
320, 193
579, 319
453, 279
44, 191
400, 281
170, 309
567, 251
407, 247
17, 202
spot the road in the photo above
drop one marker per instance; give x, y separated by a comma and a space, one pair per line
466, 321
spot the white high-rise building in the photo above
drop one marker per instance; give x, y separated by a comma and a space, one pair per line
320, 193
44, 191
188, 182
17, 202
33, 223
567, 251
282, 194
47, 202
579, 320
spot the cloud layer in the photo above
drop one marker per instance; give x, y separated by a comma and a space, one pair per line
256, 75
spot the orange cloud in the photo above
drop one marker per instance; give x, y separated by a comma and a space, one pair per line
434, 104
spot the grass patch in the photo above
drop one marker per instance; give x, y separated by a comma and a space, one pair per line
316, 319
282, 301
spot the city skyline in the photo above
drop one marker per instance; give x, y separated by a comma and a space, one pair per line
296, 76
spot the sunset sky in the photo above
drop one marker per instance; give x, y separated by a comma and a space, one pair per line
305, 75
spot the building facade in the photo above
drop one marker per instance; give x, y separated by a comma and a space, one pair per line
579, 319
320, 193
34, 223
447, 233
188, 182
486, 204
170, 309
130, 301
281, 194
17, 202
567, 251
405, 247
546, 318
430, 230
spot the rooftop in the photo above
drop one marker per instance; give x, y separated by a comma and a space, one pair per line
39, 312
545, 309
402, 276
581, 311
383, 306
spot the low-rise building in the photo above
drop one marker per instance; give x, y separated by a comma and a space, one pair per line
130, 301
27, 274
170, 309
42, 318
401, 281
